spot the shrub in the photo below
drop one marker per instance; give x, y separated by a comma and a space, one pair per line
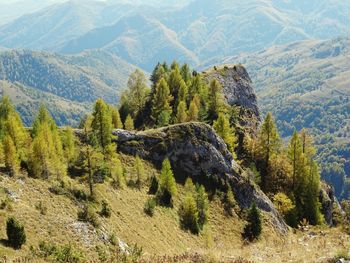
65, 253
105, 210
86, 214
253, 228
150, 205
15, 233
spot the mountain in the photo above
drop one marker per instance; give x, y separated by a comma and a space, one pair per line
68, 84
307, 84
145, 33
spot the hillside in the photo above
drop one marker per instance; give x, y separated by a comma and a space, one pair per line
144, 34
68, 84
306, 84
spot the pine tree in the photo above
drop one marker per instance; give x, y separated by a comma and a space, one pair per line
161, 109
167, 185
253, 228
223, 129
269, 144
12, 163
140, 172
116, 120
193, 111
129, 123
181, 115
102, 124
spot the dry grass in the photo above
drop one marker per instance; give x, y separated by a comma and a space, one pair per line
160, 236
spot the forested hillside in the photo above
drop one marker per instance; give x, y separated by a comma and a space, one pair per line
68, 84
307, 84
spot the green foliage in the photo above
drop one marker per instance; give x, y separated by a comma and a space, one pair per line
202, 206
129, 123
87, 214
181, 115
11, 157
101, 124
216, 100
116, 120
69, 146
150, 206
105, 209
15, 233
153, 188
225, 131
167, 185
65, 253
253, 228
230, 201
162, 98
188, 213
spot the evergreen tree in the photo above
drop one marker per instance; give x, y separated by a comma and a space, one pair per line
129, 123
161, 109
158, 73
297, 160
11, 157
15, 233
223, 129
183, 92
269, 144
254, 227
167, 185
116, 120
102, 125
43, 117
175, 81
193, 111
2, 156
230, 201
189, 186
181, 115
140, 172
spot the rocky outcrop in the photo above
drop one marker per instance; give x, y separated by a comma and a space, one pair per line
195, 150
237, 86
328, 202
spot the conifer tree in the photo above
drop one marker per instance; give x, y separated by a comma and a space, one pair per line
185, 73
158, 73
297, 160
189, 214
175, 81
140, 172
137, 91
254, 227
116, 120
193, 111
69, 146
183, 92
101, 125
181, 115
129, 123
15, 233
167, 185
12, 163
202, 206
161, 109
223, 129
269, 144
2, 157
216, 100
230, 201
43, 117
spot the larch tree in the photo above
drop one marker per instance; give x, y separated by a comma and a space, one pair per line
116, 120
101, 125
185, 73
269, 144
193, 112
12, 162
129, 123
69, 145
181, 115
216, 100
161, 110
137, 91
167, 186
225, 131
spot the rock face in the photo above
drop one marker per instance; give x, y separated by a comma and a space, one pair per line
328, 202
194, 149
237, 86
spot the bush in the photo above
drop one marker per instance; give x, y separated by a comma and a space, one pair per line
15, 233
150, 205
105, 210
253, 228
65, 253
86, 214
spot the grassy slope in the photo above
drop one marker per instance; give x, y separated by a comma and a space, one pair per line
159, 235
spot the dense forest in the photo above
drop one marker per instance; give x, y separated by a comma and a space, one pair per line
288, 174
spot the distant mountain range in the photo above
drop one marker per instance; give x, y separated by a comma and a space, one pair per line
66, 84
143, 34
